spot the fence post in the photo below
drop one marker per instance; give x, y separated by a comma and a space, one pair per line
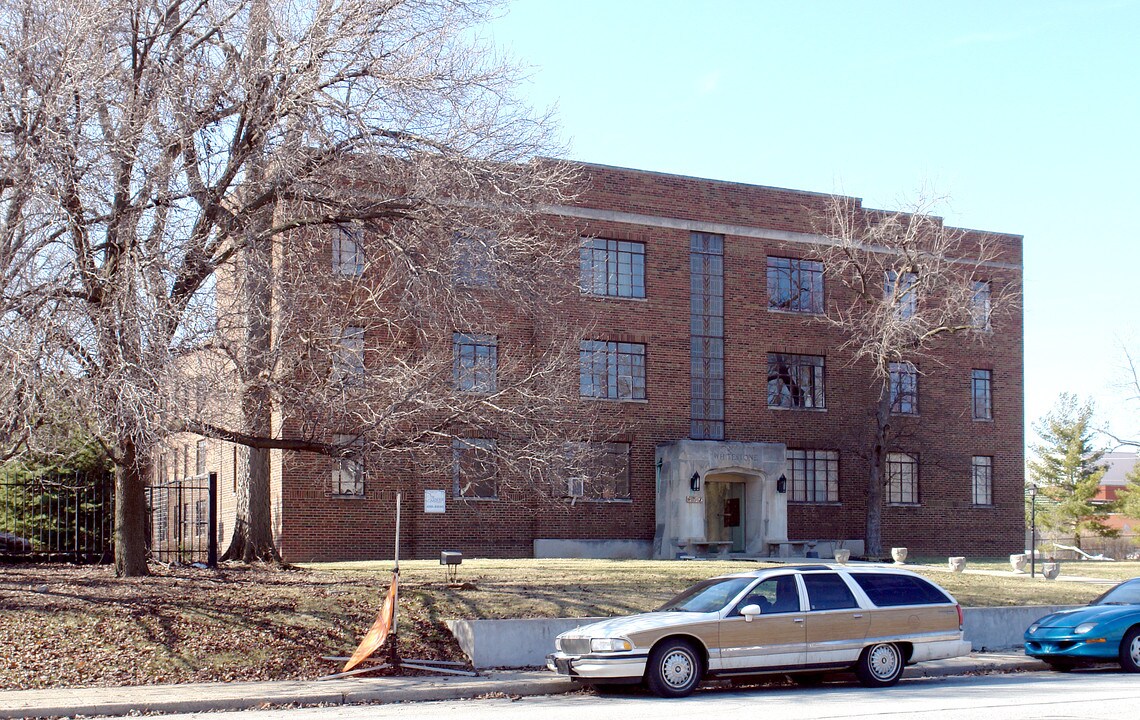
212, 541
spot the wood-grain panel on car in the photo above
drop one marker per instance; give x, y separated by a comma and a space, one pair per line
766, 641
837, 626
902, 622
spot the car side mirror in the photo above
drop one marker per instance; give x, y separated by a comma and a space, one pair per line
749, 612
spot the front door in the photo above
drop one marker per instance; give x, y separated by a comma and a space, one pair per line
774, 639
724, 513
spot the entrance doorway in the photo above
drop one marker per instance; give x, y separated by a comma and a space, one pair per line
724, 513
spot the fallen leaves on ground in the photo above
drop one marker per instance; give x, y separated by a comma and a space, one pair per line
80, 626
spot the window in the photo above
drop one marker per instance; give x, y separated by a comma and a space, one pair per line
983, 474
814, 475
475, 362
902, 479
612, 268
889, 590
706, 336
904, 388
900, 292
795, 285
774, 595
202, 451
475, 258
795, 381
612, 370
348, 474
982, 392
827, 591
348, 359
186, 523
598, 471
348, 250
201, 517
980, 305
474, 469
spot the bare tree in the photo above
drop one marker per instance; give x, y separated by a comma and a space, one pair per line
906, 281
174, 170
1130, 385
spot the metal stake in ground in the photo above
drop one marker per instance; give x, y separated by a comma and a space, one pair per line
384, 630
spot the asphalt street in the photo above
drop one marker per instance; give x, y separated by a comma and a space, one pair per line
1088, 695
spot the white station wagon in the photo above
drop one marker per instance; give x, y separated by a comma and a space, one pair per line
799, 620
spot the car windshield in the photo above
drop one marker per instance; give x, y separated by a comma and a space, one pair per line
708, 595
1126, 593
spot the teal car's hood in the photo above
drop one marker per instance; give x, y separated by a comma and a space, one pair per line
1091, 613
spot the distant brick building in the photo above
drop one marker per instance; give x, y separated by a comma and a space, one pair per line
1115, 479
708, 343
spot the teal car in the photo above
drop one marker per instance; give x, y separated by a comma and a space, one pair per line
1105, 630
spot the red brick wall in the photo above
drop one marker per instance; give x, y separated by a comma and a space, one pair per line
944, 436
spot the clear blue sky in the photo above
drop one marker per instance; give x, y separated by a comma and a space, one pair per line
1025, 113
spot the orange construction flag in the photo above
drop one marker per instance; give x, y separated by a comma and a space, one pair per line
378, 633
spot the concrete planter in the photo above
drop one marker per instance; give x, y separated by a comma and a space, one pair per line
842, 556
898, 554
957, 564
1051, 570
1017, 562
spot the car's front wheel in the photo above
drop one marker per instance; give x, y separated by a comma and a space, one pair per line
675, 669
1130, 650
880, 665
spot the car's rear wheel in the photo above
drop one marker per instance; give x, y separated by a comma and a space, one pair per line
1130, 650
675, 669
880, 665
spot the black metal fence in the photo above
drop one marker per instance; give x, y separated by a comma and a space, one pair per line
183, 520
57, 517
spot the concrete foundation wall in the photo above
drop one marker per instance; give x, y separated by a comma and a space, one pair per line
1002, 627
605, 549
526, 643
511, 643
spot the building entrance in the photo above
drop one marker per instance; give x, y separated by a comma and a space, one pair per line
724, 513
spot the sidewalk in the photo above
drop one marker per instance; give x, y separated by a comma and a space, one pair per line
206, 697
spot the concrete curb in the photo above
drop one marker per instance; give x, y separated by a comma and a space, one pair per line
205, 697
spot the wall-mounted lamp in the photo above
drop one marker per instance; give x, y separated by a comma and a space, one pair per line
695, 482
782, 485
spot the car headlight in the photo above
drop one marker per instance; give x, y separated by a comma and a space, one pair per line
1033, 628
1084, 628
609, 645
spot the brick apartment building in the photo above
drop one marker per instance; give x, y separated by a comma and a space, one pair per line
705, 302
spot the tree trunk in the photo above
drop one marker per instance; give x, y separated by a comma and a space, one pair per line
877, 478
130, 514
252, 539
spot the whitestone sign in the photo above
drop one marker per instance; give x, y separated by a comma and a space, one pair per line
435, 501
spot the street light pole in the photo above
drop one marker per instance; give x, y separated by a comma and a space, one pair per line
1032, 530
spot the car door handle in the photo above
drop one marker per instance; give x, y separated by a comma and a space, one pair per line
856, 616
799, 620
